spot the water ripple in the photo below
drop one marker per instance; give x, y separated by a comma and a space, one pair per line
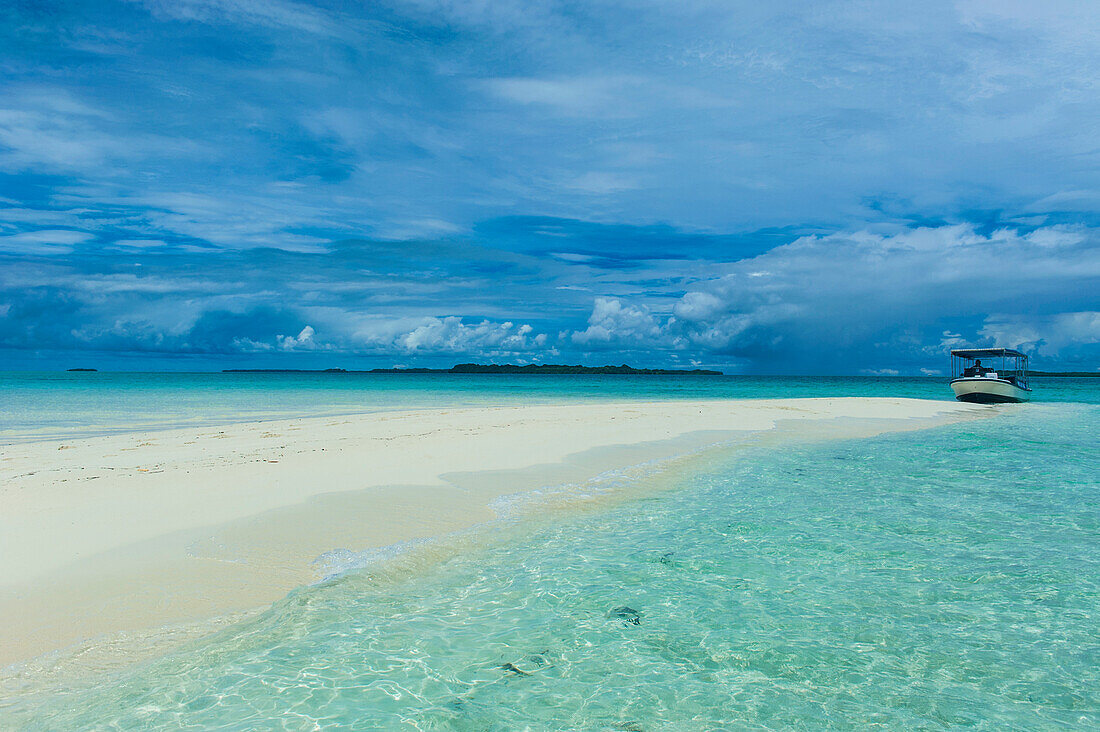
947, 578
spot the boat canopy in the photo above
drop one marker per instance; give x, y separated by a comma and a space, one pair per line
988, 353
966, 364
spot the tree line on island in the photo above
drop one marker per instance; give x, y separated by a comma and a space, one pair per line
492, 368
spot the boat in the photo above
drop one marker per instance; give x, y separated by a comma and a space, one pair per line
1001, 378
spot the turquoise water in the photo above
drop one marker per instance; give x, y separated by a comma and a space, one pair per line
924, 580
62, 404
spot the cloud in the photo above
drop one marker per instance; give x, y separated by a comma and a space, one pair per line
268, 13
43, 241
138, 243
1049, 335
863, 296
583, 96
848, 301
253, 104
452, 335
603, 183
725, 182
303, 341
50, 129
613, 322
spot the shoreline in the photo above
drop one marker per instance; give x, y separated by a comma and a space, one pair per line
131, 533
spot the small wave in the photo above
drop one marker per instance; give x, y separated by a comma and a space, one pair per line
337, 562
514, 505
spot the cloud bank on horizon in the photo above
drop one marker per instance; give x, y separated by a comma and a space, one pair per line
844, 187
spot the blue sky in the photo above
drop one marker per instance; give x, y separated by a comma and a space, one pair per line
760, 187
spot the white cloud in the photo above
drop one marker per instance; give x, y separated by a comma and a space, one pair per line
883, 295
44, 241
699, 306
450, 334
580, 96
271, 13
1056, 236
602, 182
139, 243
574, 258
416, 229
248, 345
613, 322
237, 220
571, 94
48, 128
302, 342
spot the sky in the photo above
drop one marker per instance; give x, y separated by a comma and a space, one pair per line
783, 187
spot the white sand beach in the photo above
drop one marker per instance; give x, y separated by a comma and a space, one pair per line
124, 533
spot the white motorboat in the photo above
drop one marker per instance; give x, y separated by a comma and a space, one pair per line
1002, 378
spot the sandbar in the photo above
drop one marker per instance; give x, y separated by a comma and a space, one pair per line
122, 533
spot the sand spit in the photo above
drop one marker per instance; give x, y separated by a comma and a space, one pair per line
127, 533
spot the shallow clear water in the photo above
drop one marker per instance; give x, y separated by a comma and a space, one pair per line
922, 580
61, 404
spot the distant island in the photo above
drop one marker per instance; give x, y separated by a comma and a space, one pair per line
81, 369
1063, 373
492, 368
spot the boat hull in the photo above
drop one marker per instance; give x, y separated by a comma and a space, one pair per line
980, 390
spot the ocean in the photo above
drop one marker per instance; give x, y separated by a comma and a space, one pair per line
932, 579
57, 405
